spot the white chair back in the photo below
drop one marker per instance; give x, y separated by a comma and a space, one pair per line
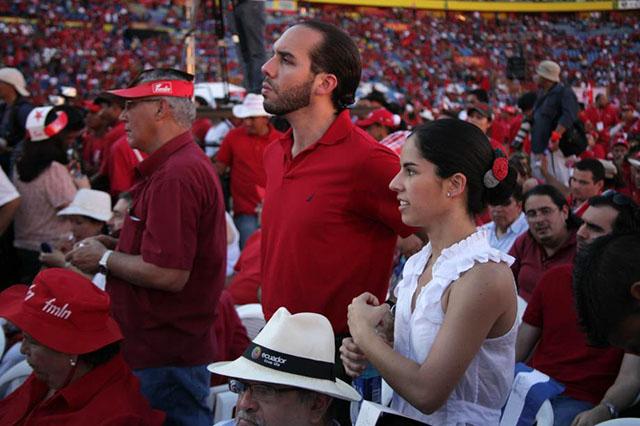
252, 318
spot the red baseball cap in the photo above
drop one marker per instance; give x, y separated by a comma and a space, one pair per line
63, 311
90, 106
170, 88
620, 140
380, 116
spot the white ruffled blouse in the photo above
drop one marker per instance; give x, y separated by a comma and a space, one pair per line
479, 396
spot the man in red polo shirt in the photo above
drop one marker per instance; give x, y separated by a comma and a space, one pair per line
330, 221
242, 151
167, 271
587, 181
599, 382
550, 240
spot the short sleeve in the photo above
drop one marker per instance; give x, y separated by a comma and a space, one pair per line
59, 186
8, 192
533, 315
170, 234
372, 196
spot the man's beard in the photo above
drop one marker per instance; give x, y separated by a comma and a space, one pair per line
292, 99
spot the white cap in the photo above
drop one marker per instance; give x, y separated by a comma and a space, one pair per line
36, 127
90, 203
252, 106
15, 78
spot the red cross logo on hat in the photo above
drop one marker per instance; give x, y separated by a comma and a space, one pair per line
38, 115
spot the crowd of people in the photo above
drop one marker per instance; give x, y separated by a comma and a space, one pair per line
401, 239
425, 58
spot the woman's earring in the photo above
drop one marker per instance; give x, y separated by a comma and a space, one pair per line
72, 362
448, 195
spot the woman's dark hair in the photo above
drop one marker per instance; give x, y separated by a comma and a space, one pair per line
100, 356
573, 221
336, 54
37, 156
455, 146
602, 277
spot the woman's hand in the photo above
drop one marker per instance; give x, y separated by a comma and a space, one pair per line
596, 415
364, 314
353, 360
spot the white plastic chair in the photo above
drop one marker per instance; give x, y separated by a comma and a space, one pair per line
211, 399
252, 318
625, 421
14, 377
225, 403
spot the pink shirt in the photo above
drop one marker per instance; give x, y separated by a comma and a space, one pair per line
36, 220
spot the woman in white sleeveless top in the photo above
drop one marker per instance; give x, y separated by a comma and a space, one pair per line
452, 360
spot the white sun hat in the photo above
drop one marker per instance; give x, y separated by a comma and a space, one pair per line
294, 350
14, 77
90, 203
251, 106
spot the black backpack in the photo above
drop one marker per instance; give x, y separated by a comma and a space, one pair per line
574, 140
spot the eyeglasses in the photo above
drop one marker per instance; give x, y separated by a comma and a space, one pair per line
129, 104
542, 212
259, 391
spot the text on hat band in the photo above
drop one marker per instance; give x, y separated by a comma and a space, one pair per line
290, 363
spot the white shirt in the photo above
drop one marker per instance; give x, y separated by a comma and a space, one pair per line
504, 243
483, 389
8, 192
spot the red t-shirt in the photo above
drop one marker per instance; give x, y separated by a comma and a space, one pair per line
247, 279
120, 164
244, 153
562, 351
115, 133
330, 222
108, 394
531, 261
177, 221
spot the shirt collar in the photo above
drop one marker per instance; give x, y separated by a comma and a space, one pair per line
162, 154
336, 133
78, 393
519, 225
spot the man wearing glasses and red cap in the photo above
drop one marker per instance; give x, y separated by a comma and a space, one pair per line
167, 270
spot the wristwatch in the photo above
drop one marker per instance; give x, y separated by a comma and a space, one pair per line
102, 264
613, 411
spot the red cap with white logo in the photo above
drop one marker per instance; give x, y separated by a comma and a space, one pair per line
63, 311
170, 88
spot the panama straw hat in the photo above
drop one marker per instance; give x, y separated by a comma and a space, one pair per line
294, 350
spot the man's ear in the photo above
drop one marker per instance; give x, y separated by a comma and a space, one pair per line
327, 84
319, 405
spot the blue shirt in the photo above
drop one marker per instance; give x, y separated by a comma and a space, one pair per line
557, 106
504, 243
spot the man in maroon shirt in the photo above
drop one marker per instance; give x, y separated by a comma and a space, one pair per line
550, 241
599, 381
242, 151
168, 268
330, 221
